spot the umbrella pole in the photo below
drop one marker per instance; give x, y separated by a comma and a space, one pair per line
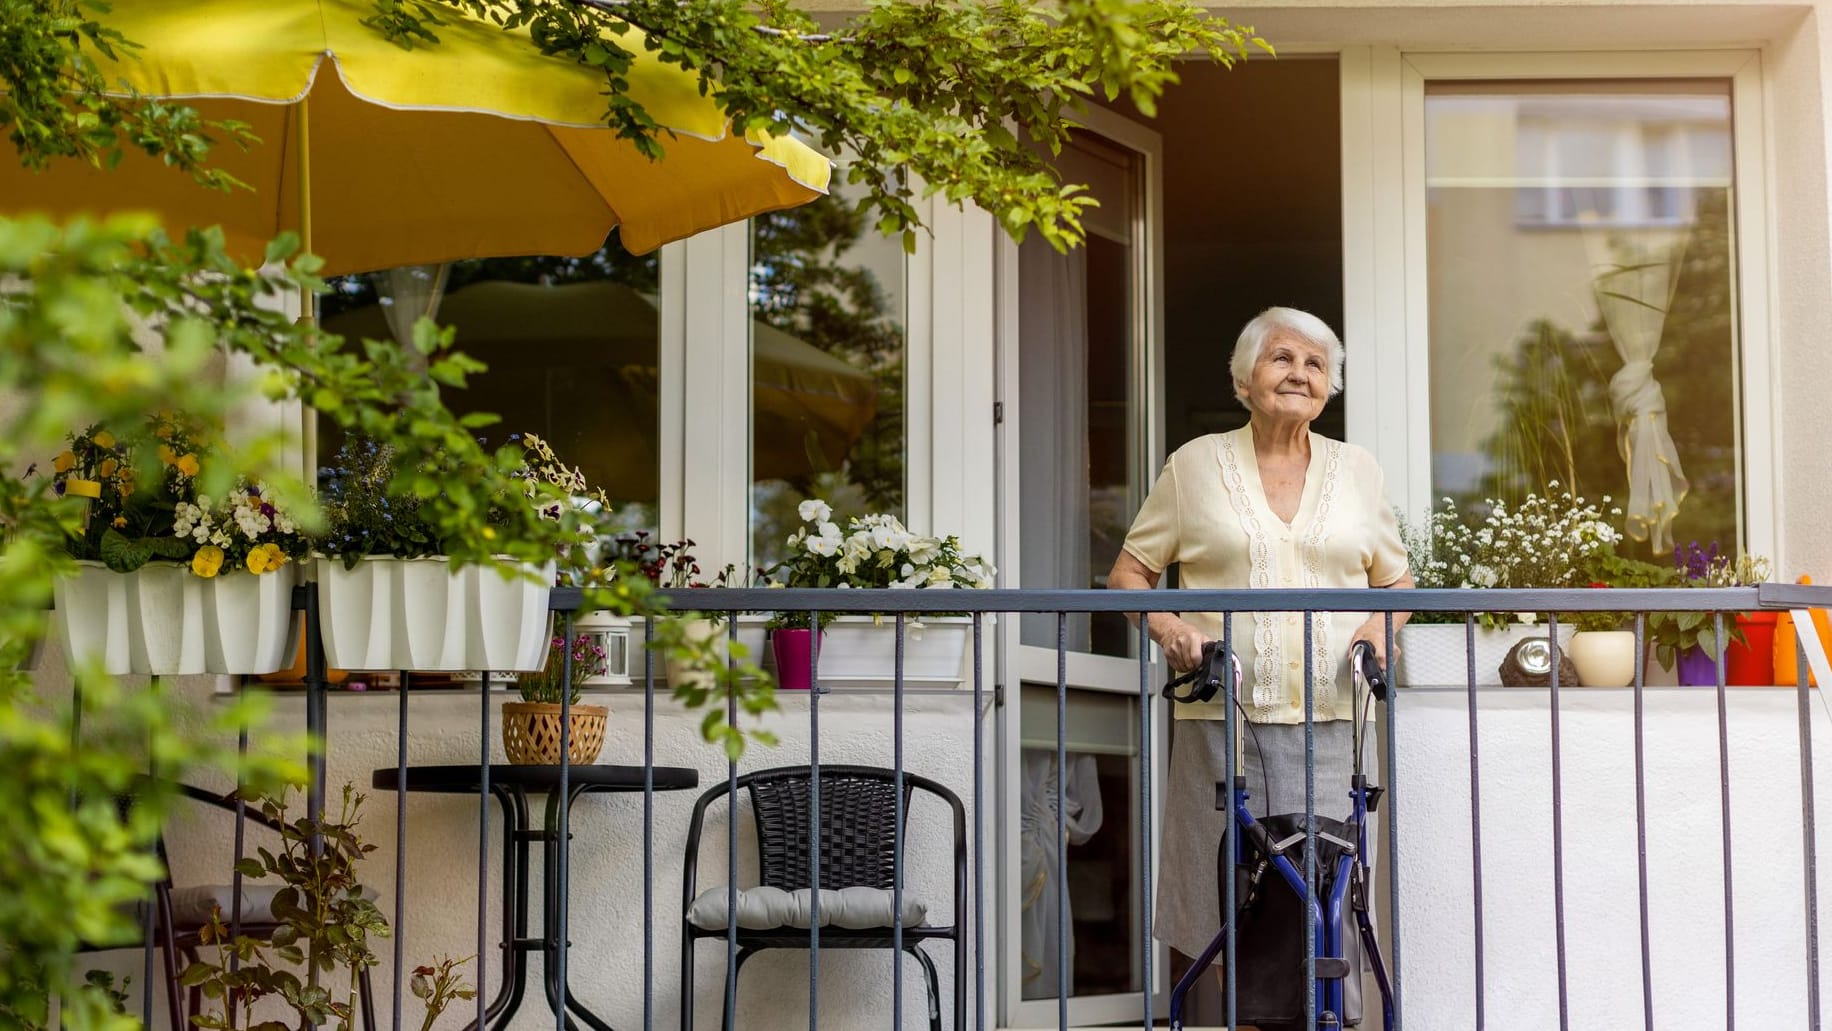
307, 300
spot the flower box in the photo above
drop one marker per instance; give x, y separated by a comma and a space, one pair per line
861, 651
162, 620
421, 614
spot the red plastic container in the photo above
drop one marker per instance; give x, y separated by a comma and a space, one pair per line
1752, 662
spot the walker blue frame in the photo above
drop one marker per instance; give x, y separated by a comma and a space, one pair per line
1326, 915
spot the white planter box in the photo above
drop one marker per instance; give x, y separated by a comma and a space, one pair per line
420, 614
508, 624
249, 625
1437, 655
91, 617
860, 651
162, 620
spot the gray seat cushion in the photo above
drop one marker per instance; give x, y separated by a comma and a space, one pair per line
760, 909
192, 906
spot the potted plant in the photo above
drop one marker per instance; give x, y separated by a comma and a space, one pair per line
321, 945
1546, 541
532, 726
170, 581
878, 551
1602, 646
390, 597
1688, 640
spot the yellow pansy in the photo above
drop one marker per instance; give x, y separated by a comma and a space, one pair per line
104, 439
63, 463
167, 455
208, 561
265, 558
188, 465
120, 522
109, 467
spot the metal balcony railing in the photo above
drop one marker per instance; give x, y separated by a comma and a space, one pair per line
1797, 977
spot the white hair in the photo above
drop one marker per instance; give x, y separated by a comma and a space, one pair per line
1267, 324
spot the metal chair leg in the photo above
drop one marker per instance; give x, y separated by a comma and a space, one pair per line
934, 985
737, 968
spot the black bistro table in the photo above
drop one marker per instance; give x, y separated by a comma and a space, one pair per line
511, 785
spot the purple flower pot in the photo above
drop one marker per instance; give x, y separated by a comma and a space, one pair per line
794, 650
1696, 668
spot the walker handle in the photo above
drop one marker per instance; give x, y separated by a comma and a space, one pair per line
1367, 668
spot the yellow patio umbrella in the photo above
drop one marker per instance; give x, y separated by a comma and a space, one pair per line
478, 146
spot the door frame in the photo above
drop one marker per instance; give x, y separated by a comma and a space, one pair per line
1017, 663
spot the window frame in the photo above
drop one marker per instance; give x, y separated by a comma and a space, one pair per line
1385, 280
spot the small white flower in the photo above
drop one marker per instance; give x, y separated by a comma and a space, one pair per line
814, 510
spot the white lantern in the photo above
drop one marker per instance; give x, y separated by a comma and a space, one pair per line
610, 636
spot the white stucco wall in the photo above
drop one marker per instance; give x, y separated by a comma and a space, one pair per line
606, 962
1685, 859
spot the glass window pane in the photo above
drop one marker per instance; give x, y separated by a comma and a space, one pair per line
1101, 793
1079, 427
1583, 307
572, 346
827, 301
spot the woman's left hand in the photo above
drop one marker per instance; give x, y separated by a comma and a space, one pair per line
1374, 631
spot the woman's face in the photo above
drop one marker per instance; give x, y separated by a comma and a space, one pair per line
1290, 380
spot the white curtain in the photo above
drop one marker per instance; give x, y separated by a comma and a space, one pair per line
412, 291
1634, 296
1039, 850
1053, 435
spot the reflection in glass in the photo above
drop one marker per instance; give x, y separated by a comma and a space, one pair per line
1582, 300
1100, 835
572, 347
827, 363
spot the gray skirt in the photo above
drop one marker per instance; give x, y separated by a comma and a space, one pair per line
1188, 912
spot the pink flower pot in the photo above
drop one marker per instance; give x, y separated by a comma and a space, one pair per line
794, 649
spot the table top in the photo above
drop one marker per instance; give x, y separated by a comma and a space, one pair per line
466, 779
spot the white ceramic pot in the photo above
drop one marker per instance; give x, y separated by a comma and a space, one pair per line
508, 625
249, 627
91, 617
861, 651
1604, 658
1437, 655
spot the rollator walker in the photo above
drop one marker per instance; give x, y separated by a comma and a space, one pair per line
1256, 849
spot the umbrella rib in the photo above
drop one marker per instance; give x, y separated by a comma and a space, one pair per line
616, 216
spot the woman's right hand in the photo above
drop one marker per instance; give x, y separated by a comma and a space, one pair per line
1182, 644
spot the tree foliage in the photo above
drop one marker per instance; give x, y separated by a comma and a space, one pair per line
110, 321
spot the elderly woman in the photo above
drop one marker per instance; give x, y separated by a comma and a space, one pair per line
1268, 505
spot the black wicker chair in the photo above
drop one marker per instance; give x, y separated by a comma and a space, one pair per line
857, 833
181, 913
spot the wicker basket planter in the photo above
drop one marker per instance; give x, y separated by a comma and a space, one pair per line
531, 732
